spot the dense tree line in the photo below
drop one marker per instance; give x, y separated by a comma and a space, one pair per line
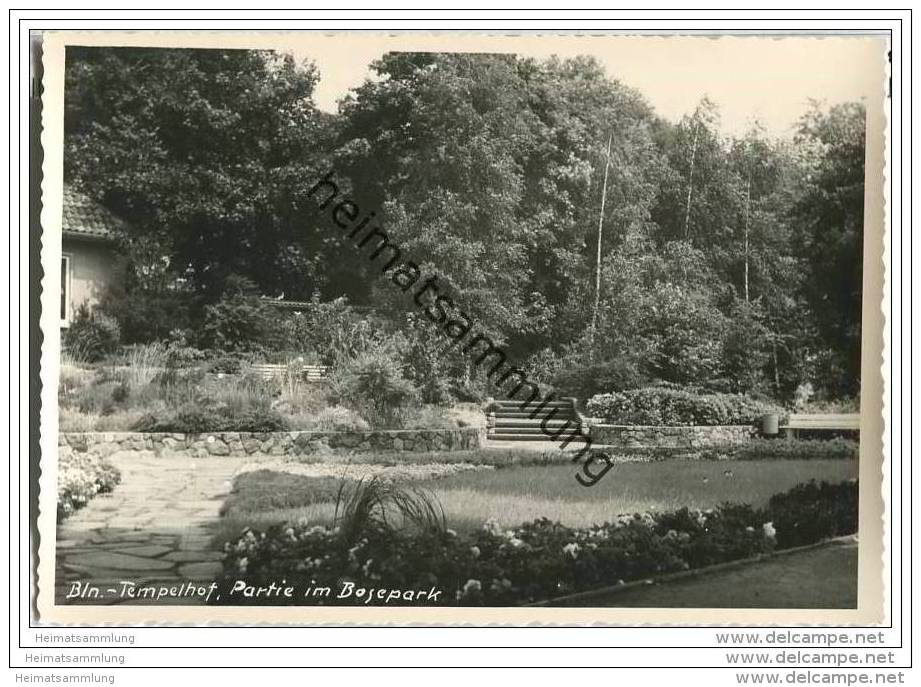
727, 263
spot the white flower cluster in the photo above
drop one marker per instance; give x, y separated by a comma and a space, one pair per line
82, 476
470, 587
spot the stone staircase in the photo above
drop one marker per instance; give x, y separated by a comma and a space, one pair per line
508, 422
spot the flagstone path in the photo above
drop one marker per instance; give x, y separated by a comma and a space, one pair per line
154, 528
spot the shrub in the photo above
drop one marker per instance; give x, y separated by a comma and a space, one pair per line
239, 321
195, 418
307, 401
337, 419
80, 477
92, 334
746, 353
585, 381
146, 315
536, 561
197, 407
810, 512
840, 405
670, 406
179, 385
474, 390
330, 332
72, 420
98, 398
373, 384
121, 392
180, 353
434, 417
119, 421
226, 363
427, 366
684, 328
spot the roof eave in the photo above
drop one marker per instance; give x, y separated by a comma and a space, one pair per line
83, 236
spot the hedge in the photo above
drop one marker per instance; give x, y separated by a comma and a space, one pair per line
538, 560
800, 449
678, 407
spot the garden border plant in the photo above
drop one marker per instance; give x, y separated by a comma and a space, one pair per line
531, 563
80, 478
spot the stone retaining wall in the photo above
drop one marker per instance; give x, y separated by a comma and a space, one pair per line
273, 443
639, 436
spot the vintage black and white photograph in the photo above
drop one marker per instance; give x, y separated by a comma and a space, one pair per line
409, 324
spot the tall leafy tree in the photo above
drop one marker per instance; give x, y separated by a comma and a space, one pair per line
699, 197
828, 216
487, 167
729, 262
204, 151
436, 161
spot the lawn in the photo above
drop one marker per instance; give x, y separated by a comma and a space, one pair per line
519, 493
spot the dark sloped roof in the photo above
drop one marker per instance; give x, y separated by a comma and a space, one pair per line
83, 216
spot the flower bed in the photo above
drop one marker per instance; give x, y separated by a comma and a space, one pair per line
80, 477
541, 559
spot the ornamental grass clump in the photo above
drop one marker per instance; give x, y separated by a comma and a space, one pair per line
378, 504
144, 363
92, 334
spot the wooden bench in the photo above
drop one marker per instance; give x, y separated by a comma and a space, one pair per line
830, 422
311, 373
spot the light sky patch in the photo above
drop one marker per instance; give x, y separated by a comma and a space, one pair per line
769, 79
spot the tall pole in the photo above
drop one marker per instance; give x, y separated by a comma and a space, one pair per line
604, 193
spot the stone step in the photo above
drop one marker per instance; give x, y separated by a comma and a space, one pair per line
553, 412
533, 409
534, 431
520, 437
524, 424
555, 419
534, 404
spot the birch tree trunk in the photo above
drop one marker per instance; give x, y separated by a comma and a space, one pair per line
748, 201
687, 210
604, 193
